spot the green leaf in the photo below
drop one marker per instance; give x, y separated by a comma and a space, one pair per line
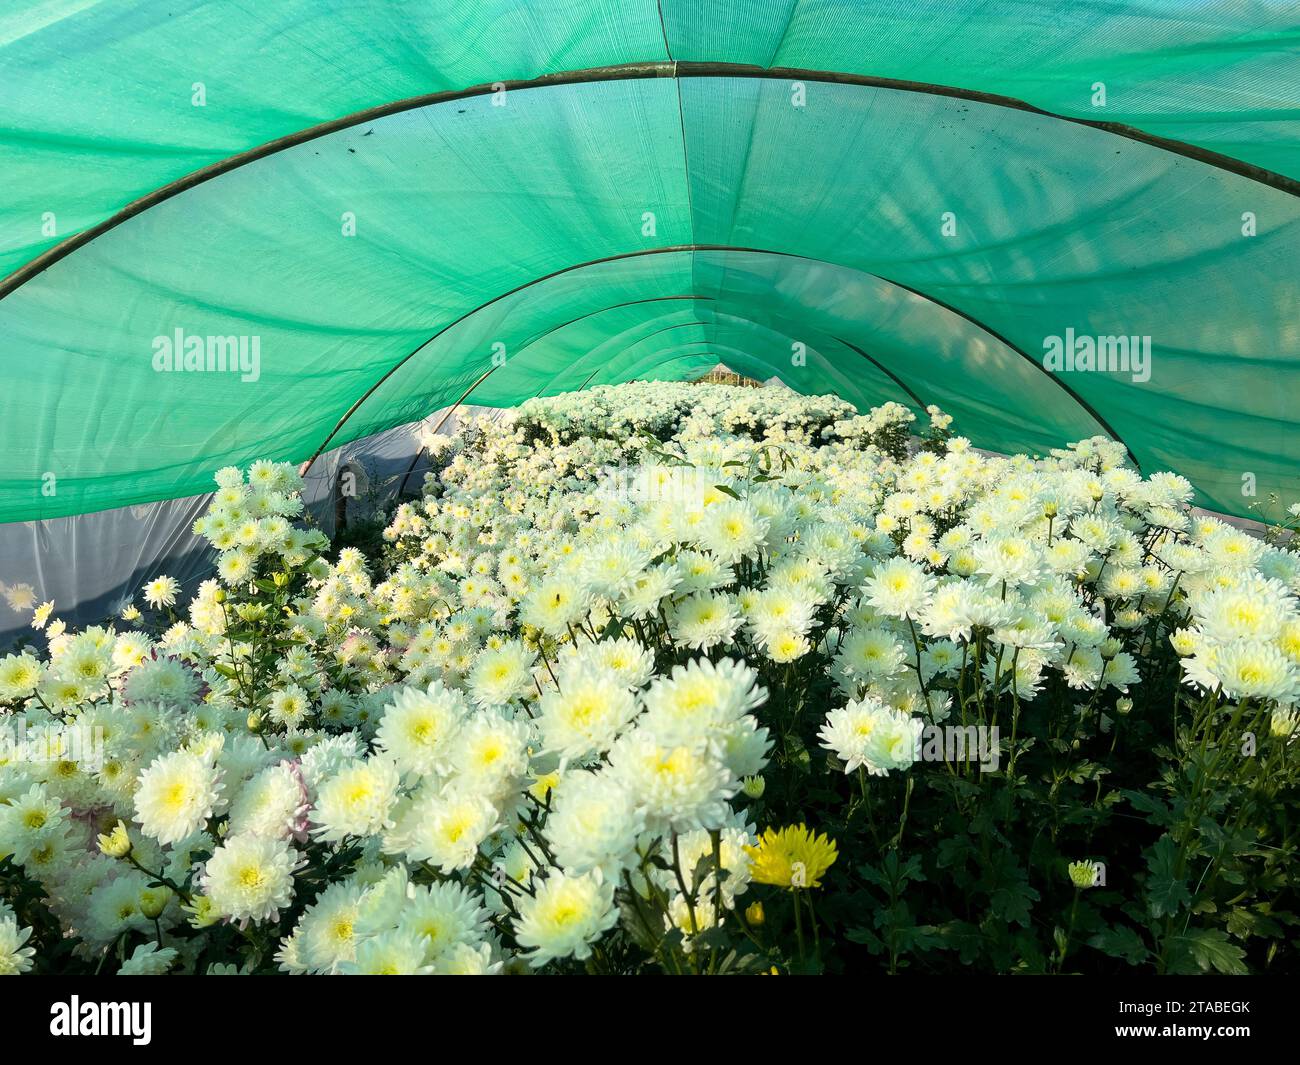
1166, 892
1121, 942
1244, 923
961, 936
635, 925
703, 868
953, 851
1011, 904
1149, 804
810, 966
1209, 948
867, 938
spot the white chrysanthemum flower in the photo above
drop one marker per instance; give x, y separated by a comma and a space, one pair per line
490, 753
649, 590
15, 955
501, 674
553, 605
736, 862
328, 757
148, 959
871, 652
20, 597
869, 734
390, 953
612, 569
690, 918
1284, 723
42, 614
1083, 668
31, 821
130, 649
587, 714
594, 825
85, 662
235, 567
250, 878
631, 662
326, 935
777, 610
162, 680
1231, 548
272, 804
566, 915
786, 645
1120, 671
1288, 639
19, 676
1253, 608
1245, 669
447, 916
176, 795
732, 530
1010, 560
1024, 671
419, 726
357, 801
700, 700
899, 588
702, 620
162, 591
678, 786
289, 706
230, 477
467, 960
445, 827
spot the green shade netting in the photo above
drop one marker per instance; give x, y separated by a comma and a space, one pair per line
526, 228
96, 108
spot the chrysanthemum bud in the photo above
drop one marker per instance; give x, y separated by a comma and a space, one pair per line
116, 844
1083, 874
219, 596
153, 901
255, 722
1284, 723
1123, 705
754, 787
754, 913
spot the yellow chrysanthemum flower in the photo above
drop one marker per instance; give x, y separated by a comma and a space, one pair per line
792, 857
115, 844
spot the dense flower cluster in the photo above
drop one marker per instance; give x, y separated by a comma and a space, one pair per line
540, 729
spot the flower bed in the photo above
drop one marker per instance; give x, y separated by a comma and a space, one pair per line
677, 678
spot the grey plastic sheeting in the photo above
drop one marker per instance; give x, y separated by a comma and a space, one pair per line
90, 565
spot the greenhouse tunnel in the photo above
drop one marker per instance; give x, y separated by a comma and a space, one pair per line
395, 207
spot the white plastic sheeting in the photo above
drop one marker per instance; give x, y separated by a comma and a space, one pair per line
91, 565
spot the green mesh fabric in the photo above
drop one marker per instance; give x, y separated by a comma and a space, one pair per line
880, 242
